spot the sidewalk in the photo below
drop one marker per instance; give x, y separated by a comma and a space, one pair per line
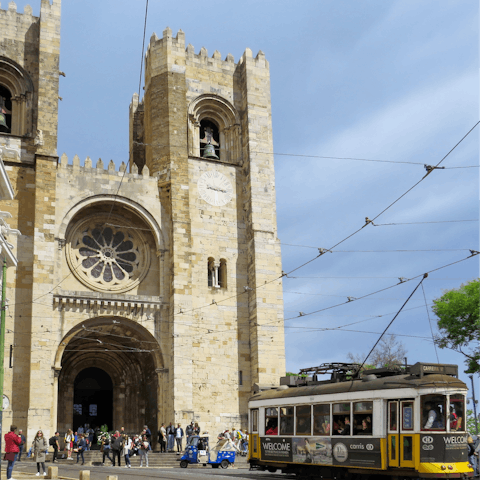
19, 475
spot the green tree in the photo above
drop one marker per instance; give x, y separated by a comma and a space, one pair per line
471, 423
388, 352
459, 322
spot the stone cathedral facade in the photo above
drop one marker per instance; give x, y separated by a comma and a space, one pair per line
148, 292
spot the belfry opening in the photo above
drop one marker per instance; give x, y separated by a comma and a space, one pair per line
108, 376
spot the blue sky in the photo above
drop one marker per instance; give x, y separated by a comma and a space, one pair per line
394, 80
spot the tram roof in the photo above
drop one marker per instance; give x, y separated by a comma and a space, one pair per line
363, 385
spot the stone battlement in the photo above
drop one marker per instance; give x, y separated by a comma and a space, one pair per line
100, 169
178, 46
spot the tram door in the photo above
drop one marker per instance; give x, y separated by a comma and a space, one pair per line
400, 436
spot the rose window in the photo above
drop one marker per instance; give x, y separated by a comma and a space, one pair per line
107, 253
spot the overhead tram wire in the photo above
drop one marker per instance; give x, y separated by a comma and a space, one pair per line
425, 275
430, 324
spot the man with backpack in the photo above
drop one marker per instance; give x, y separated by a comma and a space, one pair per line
53, 442
117, 447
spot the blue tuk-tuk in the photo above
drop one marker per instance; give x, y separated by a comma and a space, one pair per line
198, 451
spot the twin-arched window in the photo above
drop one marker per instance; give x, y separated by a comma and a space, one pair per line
217, 273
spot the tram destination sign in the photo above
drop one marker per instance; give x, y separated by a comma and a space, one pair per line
443, 448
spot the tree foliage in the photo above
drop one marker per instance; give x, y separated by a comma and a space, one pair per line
459, 323
471, 427
388, 352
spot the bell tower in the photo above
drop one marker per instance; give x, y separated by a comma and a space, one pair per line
204, 130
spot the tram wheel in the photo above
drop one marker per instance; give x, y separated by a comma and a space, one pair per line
271, 469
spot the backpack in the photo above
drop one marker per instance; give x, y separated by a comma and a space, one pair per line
52, 441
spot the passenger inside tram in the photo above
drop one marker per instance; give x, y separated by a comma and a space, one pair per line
433, 413
272, 427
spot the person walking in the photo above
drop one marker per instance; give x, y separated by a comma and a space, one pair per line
127, 446
105, 449
81, 447
90, 433
12, 447
144, 448
55, 445
179, 437
39, 445
22, 445
117, 447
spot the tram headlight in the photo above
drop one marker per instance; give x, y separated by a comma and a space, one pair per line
443, 467
450, 467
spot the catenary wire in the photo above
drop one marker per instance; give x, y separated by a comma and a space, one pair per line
430, 323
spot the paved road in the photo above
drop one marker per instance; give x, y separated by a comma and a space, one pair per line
100, 473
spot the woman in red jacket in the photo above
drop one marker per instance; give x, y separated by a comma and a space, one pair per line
12, 442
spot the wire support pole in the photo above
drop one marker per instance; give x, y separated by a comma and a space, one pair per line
425, 275
2, 344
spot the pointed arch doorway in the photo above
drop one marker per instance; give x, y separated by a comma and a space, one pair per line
110, 365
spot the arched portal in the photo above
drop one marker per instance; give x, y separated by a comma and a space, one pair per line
114, 359
92, 398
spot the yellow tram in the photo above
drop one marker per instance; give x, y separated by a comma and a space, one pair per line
394, 422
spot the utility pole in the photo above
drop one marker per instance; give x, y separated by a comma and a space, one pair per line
2, 347
474, 405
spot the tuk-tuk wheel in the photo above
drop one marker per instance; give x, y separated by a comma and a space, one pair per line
184, 464
224, 463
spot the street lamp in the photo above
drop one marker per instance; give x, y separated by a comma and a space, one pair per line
474, 405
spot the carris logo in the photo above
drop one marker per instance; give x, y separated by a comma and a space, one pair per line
369, 446
427, 447
427, 439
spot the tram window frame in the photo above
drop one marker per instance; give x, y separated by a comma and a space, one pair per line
362, 411
458, 401
393, 417
407, 427
322, 411
271, 420
254, 420
287, 420
303, 417
436, 400
341, 414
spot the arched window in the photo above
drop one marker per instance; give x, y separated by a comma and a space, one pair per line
222, 273
213, 117
5, 110
16, 92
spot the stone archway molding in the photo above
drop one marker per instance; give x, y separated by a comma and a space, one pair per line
134, 207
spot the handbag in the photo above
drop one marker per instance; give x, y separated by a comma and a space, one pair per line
10, 456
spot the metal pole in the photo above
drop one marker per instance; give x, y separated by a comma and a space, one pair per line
474, 405
2, 348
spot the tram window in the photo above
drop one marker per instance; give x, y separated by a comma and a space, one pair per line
254, 426
304, 420
341, 419
321, 419
271, 421
407, 415
433, 412
286, 420
393, 425
456, 413
362, 418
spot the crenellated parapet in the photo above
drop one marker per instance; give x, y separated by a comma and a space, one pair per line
101, 168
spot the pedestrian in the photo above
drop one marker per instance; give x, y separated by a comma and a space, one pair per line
117, 447
162, 438
81, 447
12, 447
53, 442
196, 429
40, 445
90, 433
148, 433
144, 449
189, 431
22, 445
127, 447
105, 449
69, 443
179, 437
171, 437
